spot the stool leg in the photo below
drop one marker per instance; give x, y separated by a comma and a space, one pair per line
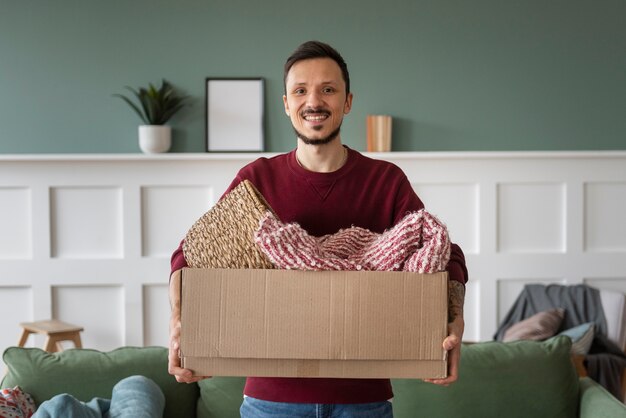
23, 338
50, 345
59, 346
77, 342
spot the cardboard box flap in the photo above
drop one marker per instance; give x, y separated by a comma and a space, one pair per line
280, 314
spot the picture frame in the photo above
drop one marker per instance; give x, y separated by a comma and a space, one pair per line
235, 114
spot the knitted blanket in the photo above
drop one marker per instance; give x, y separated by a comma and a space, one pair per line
418, 243
15, 403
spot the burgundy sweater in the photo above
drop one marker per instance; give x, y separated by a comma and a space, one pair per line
368, 193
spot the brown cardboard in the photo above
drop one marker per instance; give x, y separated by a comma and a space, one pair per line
313, 324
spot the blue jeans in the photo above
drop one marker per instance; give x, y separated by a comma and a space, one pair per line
132, 397
256, 408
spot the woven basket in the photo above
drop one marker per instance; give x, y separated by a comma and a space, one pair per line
224, 236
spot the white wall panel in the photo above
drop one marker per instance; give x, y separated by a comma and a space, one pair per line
531, 218
98, 308
457, 206
605, 217
168, 212
15, 223
15, 306
471, 313
87, 238
86, 222
617, 284
156, 314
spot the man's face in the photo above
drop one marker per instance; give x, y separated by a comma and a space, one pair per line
316, 100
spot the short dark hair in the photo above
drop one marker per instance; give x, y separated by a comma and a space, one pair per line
316, 49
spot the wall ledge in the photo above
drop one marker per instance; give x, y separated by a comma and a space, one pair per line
429, 155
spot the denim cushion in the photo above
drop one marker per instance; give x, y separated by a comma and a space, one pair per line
581, 336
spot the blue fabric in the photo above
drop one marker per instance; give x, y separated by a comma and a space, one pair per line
134, 396
65, 405
582, 337
578, 332
256, 408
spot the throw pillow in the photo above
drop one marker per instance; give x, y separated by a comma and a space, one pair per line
538, 327
513, 380
581, 336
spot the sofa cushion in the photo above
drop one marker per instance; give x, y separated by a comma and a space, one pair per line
538, 327
86, 374
220, 397
517, 379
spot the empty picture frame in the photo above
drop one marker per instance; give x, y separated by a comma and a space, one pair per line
234, 114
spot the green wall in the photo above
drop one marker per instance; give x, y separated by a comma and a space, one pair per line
455, 74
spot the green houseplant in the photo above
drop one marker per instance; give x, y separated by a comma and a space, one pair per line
155, 106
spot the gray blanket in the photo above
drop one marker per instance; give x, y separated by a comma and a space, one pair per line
581, 303
605, 361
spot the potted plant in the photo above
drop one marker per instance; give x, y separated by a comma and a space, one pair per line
155, 108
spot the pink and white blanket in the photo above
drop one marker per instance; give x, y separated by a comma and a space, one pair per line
418, 243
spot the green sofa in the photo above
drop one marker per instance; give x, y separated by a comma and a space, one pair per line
521, 379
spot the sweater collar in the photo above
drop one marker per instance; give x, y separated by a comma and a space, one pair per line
312, 175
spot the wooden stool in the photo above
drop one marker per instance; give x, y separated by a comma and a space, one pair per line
55, 331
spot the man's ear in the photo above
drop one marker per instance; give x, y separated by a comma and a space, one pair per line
348, 105
286, 105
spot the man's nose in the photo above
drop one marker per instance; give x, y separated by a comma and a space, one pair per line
314, 99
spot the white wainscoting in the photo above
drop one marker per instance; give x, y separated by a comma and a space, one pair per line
87, 238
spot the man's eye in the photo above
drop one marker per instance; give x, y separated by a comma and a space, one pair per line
299, 91
328, 90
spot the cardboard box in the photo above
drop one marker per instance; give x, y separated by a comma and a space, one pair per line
286, 323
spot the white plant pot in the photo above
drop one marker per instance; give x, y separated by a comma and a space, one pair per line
155, 138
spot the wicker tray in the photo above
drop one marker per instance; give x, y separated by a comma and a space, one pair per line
224, 236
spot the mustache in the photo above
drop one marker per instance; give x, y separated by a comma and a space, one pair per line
310, 110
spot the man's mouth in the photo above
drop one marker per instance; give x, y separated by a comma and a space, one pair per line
315, 115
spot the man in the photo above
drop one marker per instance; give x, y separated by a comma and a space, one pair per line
325, 186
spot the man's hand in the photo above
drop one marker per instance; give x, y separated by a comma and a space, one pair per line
182, 375
456, 326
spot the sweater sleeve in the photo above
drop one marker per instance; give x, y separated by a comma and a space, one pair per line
457, 270
178, 261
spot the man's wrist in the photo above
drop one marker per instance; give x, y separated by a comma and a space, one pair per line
456, 299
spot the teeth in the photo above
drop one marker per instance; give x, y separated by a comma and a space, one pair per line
315, 118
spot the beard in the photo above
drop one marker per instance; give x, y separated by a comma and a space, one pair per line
319, 141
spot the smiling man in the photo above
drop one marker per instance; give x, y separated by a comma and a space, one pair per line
317, 96
325, 186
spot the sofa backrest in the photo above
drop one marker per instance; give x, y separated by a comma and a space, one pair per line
519, 379
86, 374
